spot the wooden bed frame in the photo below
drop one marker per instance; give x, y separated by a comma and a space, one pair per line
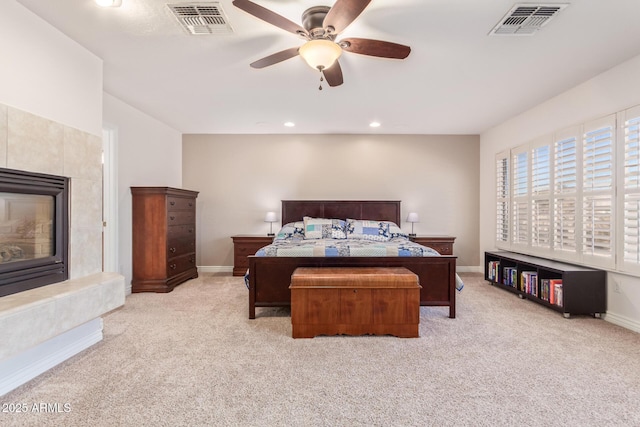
270, 277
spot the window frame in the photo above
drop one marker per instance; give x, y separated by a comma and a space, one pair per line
623, 190
596, 174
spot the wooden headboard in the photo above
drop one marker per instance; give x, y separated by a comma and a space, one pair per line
382, 210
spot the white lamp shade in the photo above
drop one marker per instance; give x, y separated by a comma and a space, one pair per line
413, 217
270, 217
320, 54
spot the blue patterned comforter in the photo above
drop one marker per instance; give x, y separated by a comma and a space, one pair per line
345, 247
299, 247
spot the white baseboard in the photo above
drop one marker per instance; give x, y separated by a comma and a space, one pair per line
23, 367
623, 321
215, 269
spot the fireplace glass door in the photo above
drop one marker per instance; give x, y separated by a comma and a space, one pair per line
34, 230
26, 226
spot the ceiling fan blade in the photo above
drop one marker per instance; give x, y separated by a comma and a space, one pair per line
283, 55
343, 13
269, 16
333, 75
378, 48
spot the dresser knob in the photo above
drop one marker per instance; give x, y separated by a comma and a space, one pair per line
172, 203
172, 266
190, 204
172, 250
191, 230
172, 218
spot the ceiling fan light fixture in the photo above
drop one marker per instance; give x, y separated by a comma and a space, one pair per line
109, 3
320, 54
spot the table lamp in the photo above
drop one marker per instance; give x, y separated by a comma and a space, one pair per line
412, 218
270, 217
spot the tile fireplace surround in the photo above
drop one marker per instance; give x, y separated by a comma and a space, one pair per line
45, 326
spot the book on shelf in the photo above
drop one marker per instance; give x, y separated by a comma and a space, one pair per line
544, 289
555, 291
529, 282
492, 270
510, 276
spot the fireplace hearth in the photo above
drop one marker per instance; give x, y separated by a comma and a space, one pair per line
34, 230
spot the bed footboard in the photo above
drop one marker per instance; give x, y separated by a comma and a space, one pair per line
270, 277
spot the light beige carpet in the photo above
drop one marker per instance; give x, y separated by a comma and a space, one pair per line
193, 358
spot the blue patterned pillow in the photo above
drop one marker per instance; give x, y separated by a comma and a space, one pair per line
395, 231
368, 230
323, 228
292, 230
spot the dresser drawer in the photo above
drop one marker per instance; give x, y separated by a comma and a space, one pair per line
182, 263
181, 217
179, 245
247, 249
442, 244
442, 248
181, 231
180, 204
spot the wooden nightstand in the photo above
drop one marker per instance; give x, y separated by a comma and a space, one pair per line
442, 244
245, 245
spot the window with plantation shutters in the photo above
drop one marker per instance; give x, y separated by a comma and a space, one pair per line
631, 186
565, 192
597, 188
574, 195
540, 196
520, 198
502, 198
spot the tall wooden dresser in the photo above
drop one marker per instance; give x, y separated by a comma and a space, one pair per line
164, 238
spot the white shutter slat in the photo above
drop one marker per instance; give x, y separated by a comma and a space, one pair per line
541, 223
566, 183
519, 197
597, 190
566, 165
597, 230
540, 170
520, 222
502, 199
564, 238
631, 205
598, 159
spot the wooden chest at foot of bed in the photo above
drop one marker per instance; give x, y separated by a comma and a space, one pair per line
354, 301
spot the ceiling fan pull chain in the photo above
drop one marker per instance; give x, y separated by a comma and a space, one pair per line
321, 79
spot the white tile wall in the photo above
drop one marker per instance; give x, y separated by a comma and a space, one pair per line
35, 144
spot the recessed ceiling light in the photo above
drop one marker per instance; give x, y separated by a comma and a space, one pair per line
109, 3
374, 124
289, 124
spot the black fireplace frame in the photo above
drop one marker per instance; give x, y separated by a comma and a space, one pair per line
28, 274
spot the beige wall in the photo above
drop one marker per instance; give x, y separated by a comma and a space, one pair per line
148, 154
46, 73
240, 177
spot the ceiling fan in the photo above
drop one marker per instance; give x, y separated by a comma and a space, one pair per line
320, 27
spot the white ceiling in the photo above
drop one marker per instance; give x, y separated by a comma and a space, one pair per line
457, 79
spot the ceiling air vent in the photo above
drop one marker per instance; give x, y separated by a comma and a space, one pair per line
201, 18
526, 19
